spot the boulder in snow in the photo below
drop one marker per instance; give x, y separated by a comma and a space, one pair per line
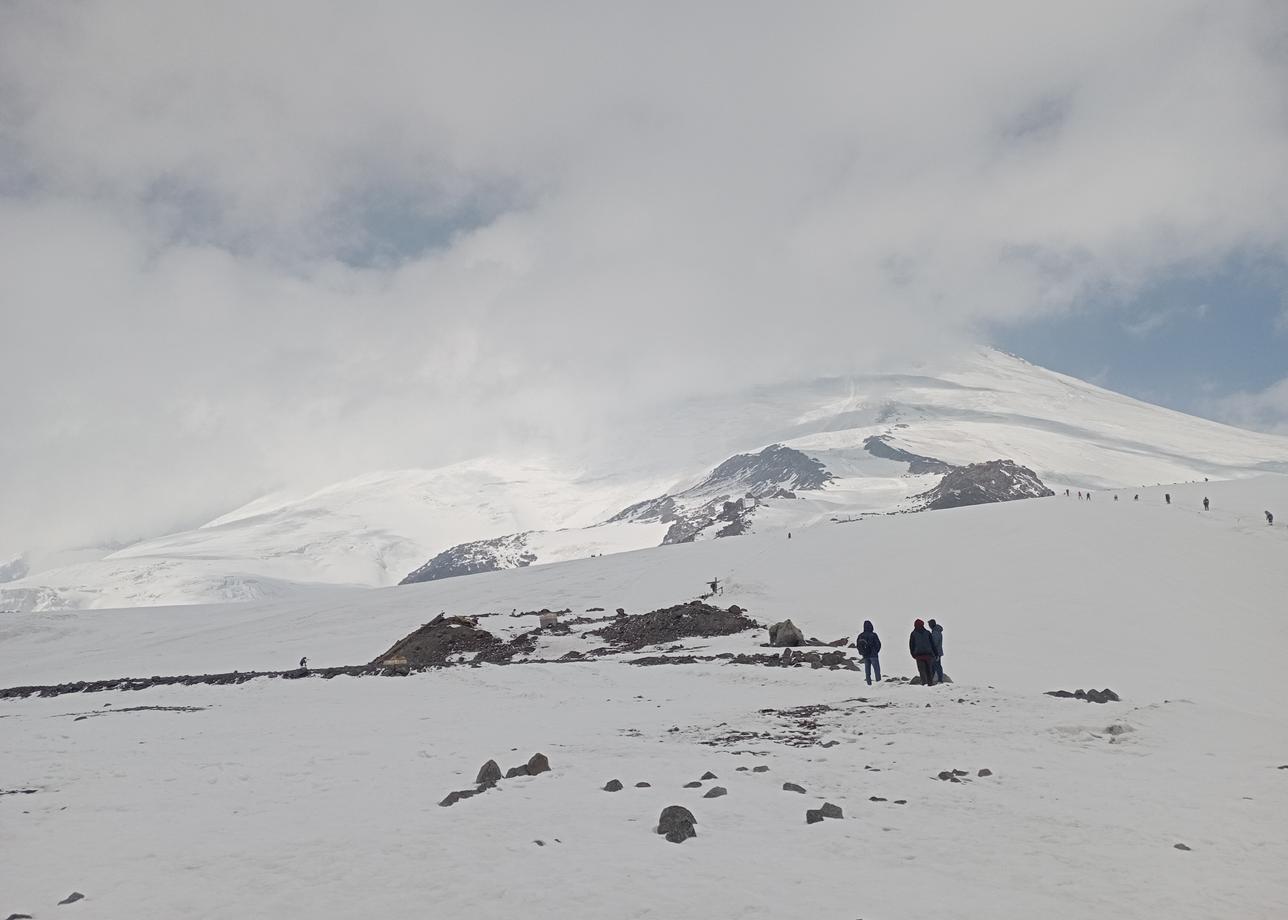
785, 633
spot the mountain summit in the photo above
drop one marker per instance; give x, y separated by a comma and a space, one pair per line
779, 458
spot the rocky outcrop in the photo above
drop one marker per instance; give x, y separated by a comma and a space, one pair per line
879, 446
671, 624
981, 484
508, 552
730, 494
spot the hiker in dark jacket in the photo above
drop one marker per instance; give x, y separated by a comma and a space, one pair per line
922, 648
869, 647
937, 640
1205, 504
1270, 519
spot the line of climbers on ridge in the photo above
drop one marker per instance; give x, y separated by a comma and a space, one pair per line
925, 645
1167, 500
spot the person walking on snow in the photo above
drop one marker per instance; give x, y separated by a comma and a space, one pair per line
922, 649
1205, 503
1167, 498
937, 640
868, 645
1270, 519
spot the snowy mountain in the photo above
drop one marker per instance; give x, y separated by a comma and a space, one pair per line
303, 796
775, 459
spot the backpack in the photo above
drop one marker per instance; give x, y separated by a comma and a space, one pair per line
863, 645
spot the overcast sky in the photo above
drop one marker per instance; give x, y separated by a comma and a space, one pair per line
250, 244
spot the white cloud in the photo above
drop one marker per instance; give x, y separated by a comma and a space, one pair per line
1264, 410
245, 243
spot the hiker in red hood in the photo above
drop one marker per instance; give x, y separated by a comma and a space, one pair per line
922, 648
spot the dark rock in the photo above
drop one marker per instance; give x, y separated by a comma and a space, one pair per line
676, 823
760, 769
510, 551
745, 769
19, 917
715, 792
539, 843
454, 797
792, 787
693, 785
954, 779
878, 446
613, 785
785, 634
983, 483
621, 611
831, 811
901, 801
985, 772
1181, 846
643, 785
945, 774
959, 773
438, 640
707, 775
672, 624
538, 763
489, 774
813, 815
520, 770
72, 898
875, 798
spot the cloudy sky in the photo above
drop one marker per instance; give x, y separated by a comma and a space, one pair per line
249, 244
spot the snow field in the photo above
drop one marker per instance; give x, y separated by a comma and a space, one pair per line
318, 798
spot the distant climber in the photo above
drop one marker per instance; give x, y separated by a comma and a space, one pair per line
715, 586
1270, 519
1205, 503
1136, 497
304, 662
1167, 497
1079, 494
1115, 497
937, 640
1066, 493
922, 648
789, 534
868, 645
1088, 496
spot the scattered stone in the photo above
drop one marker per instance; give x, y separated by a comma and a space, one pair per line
954, 779
760, 769
831, 811
901, 801
875, 798
72, 898
985, 772
613, 785
676, 824
813, 815
489, 774
520, 770
19, 917
539, 843
745, 769
959, 773
538, 763
945, 774
1118, 729
715, 792
1283, 766
693, 785
792, 787
643, 785
621, 611
828, 744
708, 775
1181, 846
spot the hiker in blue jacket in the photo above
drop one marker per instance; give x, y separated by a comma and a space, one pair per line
869, 648
937, 640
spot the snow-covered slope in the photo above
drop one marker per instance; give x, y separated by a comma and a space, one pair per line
879, 440
319, 797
